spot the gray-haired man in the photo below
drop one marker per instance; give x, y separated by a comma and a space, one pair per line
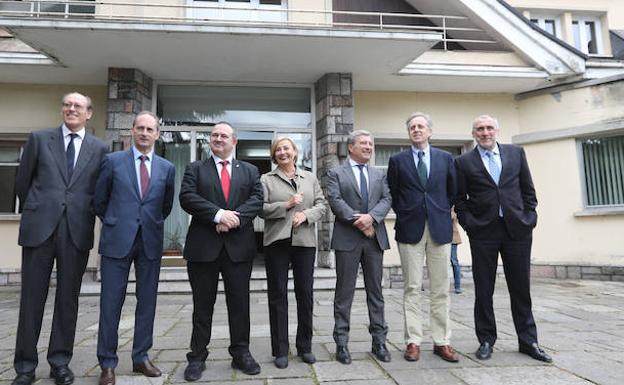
360, 199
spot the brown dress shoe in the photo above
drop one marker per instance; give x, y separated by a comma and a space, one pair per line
107, 377
147, 368
412, 352
446, 352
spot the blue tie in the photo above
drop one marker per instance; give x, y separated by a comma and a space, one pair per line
363, 190
493, 166
70, 153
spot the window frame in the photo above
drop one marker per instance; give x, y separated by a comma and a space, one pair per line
18, 139
582, 21
587, 208
541, 19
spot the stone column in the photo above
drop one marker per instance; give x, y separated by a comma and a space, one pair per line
129, 92
334, 122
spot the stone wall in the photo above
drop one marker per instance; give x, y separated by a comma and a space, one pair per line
334, 121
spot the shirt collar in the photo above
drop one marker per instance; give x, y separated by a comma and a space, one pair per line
136, 153
217, 160
482, 150
67, 131
416, 150
354, 163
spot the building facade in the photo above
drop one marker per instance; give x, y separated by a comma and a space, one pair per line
550, 71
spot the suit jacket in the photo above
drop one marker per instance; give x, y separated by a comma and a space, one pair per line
46, 193
344, 196
202, 197
119, 205
277, 191
415, 204
479, 198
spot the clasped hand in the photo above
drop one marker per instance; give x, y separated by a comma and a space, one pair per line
229, 220
364, 223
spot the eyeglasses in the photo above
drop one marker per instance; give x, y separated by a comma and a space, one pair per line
76, 106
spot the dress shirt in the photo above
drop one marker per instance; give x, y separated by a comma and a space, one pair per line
77, 141
217, 160
137, 164
486, 160
426, 157
356, 171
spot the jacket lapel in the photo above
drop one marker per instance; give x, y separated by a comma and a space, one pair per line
346, 168
478, 163
84, 157
156, 171
411, 167
131, 171
57, 148
236, 180
213, 175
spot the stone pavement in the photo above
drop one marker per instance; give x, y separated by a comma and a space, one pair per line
580, 323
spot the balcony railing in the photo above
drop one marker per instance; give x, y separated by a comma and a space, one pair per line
205, 13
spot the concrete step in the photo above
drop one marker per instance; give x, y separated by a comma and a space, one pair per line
174, 280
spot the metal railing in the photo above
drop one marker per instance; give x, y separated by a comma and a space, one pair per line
214, 14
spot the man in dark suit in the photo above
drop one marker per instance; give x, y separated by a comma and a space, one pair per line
134, 195
422, 185
223, 195
55, 184
359, 198
496, 206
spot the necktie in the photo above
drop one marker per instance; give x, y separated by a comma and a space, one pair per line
493, 166
363, 190
225, 179
70, 153
422, 169
145, 179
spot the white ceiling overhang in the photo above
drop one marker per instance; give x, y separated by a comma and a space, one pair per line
84, 50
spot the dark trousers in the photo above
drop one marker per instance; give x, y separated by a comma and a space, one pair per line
112, 296
516, 256
37, 263
204, 278
456, 267
367, 254
279, 255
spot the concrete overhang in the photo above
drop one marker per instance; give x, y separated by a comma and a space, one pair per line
84, 50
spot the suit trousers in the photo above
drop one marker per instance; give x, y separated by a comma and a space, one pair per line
413, 257
204, 279
37, 263
114, 272
278, 256
367, 254
485, 246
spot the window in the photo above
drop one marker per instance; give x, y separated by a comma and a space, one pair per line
10, 151
239, 10
552, 25
587, 35
603, 164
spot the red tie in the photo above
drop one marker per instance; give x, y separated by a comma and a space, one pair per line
225, 179
145, 179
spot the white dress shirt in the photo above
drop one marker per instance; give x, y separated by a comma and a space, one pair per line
77, 141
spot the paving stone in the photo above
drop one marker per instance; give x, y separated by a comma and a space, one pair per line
518, 376
425, 376
357, 370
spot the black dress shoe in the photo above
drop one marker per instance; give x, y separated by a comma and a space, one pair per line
342, 354
194, 369
62, 375
535, 352
485, 351
307, 357
24, 378
246, 364
281, 362
381, 352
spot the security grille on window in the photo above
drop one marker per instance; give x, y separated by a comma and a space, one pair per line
603, 160
9, 160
